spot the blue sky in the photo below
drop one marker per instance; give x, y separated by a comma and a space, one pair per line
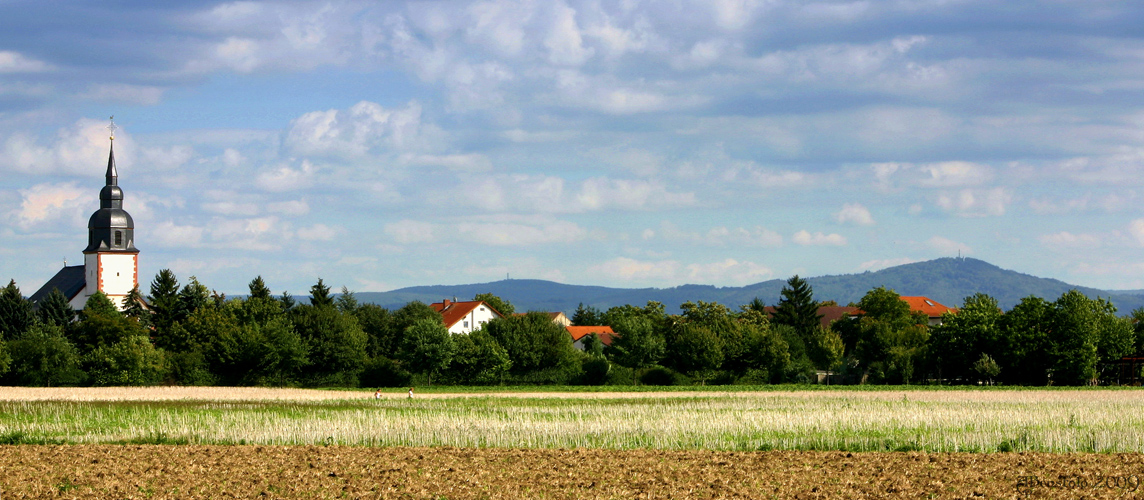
379, 145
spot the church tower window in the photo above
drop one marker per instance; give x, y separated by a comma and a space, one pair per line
119, 238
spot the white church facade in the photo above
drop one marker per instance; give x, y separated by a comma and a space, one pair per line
110, 261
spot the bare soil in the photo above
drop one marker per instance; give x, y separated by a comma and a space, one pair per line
160, 471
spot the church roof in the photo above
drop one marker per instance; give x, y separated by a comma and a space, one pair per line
70, 280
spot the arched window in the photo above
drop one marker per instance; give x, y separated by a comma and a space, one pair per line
119, 238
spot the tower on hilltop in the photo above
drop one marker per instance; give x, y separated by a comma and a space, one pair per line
110, 261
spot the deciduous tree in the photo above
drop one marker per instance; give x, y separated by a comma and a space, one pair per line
427, 347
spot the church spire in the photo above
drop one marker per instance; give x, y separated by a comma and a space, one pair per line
110, 229
112, 175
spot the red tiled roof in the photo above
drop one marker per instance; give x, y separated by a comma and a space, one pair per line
604, 332
452, 312
927, 306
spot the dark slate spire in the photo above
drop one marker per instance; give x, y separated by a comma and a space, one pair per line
111, 228
112, 175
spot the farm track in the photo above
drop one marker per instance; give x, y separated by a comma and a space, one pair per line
163, 471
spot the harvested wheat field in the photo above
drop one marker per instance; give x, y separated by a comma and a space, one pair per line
157, 471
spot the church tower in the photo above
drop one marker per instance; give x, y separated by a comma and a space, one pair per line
111, 261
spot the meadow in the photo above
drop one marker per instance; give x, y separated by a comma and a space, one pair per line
961, 420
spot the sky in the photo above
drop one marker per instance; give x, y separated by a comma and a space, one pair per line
379, 145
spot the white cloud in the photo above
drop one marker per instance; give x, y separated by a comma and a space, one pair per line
804, 237
1065, 239
955, 174
948, 247
729, 271
231, 208
81, 150
15, 62
256, 233
976, 203
47, 203
510, 234
719, 236
239, 54
470, 162
600, 192
285, 178
1136, 229
168, 158
365, 128
170, 235
854, 213
564, 43
635, 270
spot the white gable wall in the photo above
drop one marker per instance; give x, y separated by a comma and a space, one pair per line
478, 316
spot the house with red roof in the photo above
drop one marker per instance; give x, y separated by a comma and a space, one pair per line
580, 334
465, 316
931, 308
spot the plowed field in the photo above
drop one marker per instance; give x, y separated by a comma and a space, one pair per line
151, 471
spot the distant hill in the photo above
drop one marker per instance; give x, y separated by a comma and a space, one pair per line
947, 280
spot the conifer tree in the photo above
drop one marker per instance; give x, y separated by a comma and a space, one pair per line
320, 295
55, 310
797, 308
258, 288
164, 299
15, 312
347, 302
133, 307
287, 301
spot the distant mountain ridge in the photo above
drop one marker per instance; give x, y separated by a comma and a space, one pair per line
947, 280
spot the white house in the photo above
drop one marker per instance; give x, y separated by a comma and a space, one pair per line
464, 317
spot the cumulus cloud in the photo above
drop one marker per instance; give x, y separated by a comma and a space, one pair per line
286, 178
364, 128
854, 213
81, 150
804, 237
47, 203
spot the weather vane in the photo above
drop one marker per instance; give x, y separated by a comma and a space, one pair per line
112, 127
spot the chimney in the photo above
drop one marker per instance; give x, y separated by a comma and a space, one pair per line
445, 304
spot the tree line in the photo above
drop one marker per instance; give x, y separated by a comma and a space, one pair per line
189, 335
